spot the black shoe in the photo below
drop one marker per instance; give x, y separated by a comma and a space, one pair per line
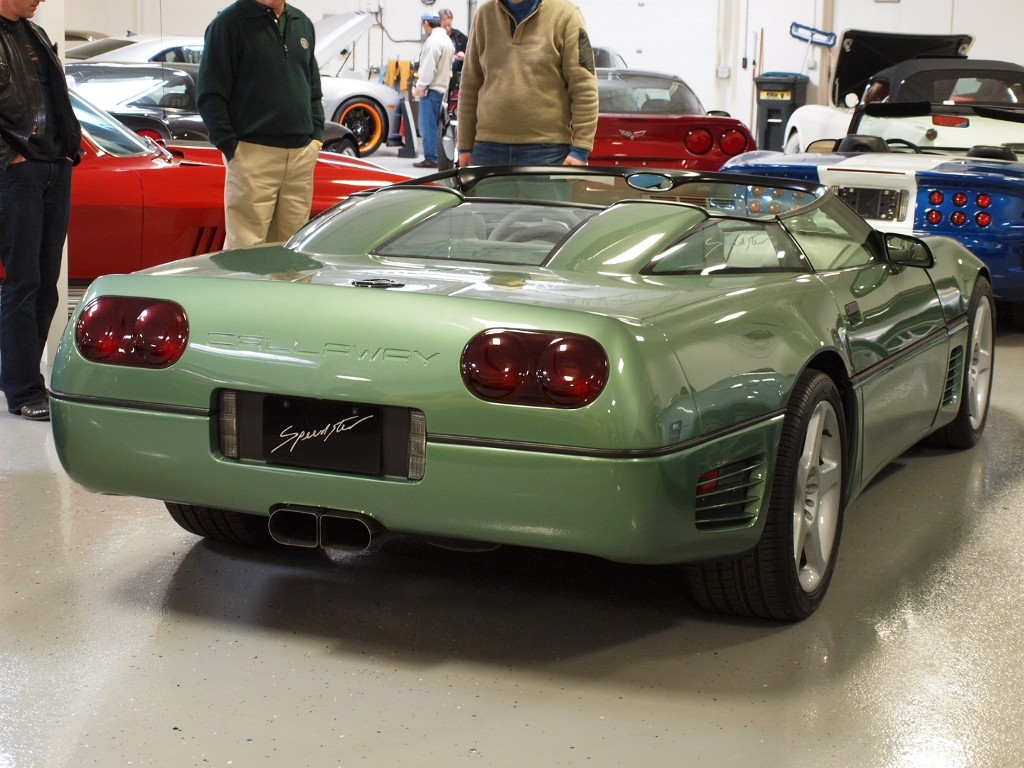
425, 164
35, 411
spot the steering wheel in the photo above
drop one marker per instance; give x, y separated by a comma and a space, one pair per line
530, 218
904, 143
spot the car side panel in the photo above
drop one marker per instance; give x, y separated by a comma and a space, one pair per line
895, 330
105, 233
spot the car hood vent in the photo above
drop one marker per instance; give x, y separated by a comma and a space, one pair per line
378, 282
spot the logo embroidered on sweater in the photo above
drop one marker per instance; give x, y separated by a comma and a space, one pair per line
304, 42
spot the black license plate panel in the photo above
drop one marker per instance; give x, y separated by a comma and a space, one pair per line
872, 203
322, 434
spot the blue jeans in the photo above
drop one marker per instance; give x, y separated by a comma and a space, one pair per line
492, 153
35, 205
430, 110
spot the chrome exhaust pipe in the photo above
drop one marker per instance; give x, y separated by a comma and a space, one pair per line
347, 532
294, 527
333, 531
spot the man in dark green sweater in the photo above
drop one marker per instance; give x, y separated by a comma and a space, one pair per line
259, 95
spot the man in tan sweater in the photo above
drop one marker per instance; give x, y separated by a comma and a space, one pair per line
529, 92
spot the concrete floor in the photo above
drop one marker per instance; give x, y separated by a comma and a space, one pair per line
125, 641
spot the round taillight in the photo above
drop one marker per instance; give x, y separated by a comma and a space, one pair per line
733, 142
757, 190
121, 330
572, 370
534, 368
148, 133
982, 219
936, 197
699, 141
959, 199
983, 200
754, 206
496, 364
959, 218
933, 217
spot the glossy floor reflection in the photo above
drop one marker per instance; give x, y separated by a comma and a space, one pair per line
125, 641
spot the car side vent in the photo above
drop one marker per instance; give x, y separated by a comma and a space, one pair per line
954, 377
208, 240
731, 495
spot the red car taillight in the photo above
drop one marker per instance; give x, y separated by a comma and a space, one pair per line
733, 142
148, 133
699, 141
121, 330
535, 368
966, 208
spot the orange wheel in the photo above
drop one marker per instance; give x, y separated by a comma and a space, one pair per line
366, 120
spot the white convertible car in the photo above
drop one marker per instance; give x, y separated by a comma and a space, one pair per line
860, 58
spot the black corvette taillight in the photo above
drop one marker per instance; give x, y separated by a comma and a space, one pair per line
535, 368
123, 330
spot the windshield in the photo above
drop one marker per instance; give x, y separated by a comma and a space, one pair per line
96, 47
496, 232
109, 135
623, 93
169, 89
951, 130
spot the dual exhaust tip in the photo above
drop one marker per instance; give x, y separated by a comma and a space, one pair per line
331, 530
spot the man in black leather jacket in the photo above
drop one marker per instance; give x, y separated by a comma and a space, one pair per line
40, 139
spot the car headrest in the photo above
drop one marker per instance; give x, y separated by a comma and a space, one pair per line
857, 142
992, 152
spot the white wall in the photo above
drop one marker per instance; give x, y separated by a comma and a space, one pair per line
718, 46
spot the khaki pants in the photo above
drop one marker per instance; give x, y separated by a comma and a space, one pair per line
268, 193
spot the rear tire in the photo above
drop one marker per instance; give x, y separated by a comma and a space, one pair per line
366, 120
787, 574
966, 429
229, 527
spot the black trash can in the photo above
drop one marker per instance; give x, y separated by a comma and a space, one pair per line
778, 96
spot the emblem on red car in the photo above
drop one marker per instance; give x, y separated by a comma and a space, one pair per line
631, 135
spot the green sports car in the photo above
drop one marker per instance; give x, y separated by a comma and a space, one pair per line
649, 367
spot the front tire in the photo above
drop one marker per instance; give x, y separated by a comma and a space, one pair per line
237, 528
788, 573
966, 429
345, 146
366, 120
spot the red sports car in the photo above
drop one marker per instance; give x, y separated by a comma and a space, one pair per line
135, 204
653, 119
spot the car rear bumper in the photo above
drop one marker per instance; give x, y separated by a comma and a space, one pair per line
642, 510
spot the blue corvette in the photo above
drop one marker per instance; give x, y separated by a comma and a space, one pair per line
927, 169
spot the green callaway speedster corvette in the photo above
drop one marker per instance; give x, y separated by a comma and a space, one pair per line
650, 367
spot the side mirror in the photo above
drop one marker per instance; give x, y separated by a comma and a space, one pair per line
907, 251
